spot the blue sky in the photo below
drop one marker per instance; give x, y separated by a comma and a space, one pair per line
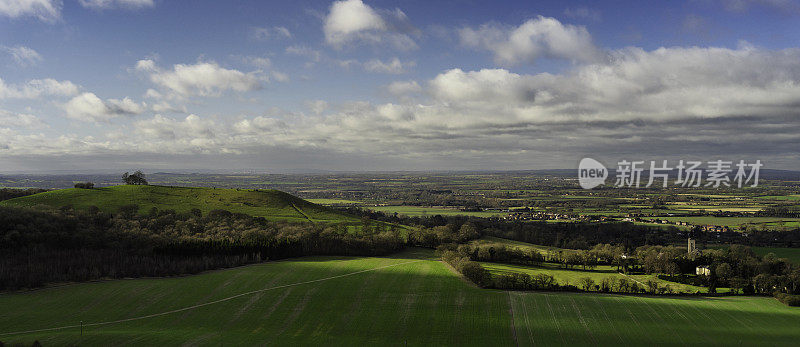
387, 85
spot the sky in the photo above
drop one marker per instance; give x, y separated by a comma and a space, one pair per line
368, 85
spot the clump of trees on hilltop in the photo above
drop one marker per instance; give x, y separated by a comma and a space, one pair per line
136, 178
84, 185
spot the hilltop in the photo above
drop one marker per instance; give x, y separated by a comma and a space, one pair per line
272, 204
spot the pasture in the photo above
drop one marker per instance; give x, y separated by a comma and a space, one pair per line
408, 298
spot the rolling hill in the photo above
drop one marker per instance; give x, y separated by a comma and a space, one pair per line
272, 204
409, 298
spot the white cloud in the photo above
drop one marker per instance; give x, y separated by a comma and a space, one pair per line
279, 76
316, 106
109, 4
394, 66
264, 34
258, 125
202, 78
90, 108
44, 10
23, 56
304, 51
652, 102
484, 88
146, 65
282, 31
402, 88
259, 62
165, 107
36, 88
353, 21
19, 120
192, 134
541, 37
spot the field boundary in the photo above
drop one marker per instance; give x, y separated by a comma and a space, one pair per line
203, 304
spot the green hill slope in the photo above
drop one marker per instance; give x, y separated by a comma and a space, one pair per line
408, 298
272, 204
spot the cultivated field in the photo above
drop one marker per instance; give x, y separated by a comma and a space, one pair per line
407, 298
271, 204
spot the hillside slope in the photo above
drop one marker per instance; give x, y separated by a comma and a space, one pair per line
272, 204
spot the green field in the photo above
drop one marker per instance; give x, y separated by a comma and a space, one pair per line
417, 211
271, 204
490, 241
735, 221
573, 276
408, 298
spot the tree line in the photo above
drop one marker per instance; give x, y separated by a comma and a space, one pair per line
45, 245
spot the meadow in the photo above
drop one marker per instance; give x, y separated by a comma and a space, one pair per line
406, 299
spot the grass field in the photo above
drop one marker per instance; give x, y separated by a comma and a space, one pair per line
409, 298
416, 211
271, 204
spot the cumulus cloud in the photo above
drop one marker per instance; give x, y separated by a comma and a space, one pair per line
109, 4
202, 78
653, 101
36, 88
90, 108
541, 37
44, 10
707, 101
393, 66
353, 21
23, 56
